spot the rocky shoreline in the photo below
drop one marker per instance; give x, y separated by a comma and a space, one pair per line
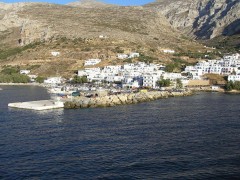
121, 99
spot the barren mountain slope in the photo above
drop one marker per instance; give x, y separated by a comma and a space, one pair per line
44, 21
201, 19
76, 33
90, 4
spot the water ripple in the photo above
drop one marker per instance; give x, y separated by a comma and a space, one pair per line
193, 137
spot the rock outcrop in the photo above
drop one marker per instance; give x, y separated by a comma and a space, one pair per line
25, 28
121, 99
201, 19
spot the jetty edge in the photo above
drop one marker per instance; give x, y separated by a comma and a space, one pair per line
37, 105
121, 99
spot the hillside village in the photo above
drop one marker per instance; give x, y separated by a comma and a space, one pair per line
148, 75
140, 74
127, 47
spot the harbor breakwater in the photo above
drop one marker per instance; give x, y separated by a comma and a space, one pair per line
120, 99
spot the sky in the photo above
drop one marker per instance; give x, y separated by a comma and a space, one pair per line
119, 2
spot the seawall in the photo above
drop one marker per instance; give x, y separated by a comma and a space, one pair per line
121, 99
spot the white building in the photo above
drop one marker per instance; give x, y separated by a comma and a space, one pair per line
25, 71
170, 51
149, 80
133, 55
234, 78
54, 53
53, 80
122, 56
225, 66
102, 36
172, 76
114, 78
91, 62
131, 74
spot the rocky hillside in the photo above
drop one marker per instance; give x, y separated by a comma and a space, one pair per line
24, 23
83, 30
201, 19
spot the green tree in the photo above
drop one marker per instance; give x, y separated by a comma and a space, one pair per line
10, 70
170, 67
163, 83
40, 79
79, 79
84, 79
237, 85
145, 58
14, 78
20, 78
5, 78
179, 84
229, 86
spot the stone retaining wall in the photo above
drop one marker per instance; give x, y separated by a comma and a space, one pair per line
120, 99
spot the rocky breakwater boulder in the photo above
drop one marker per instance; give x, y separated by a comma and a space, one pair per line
120, 99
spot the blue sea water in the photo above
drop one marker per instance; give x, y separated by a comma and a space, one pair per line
195, 137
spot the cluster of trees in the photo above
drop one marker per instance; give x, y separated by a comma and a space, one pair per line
163, 83
171, 67
232, 85
79, 80
11, 75
166, 83
177, 65
40, 79
145, 58
179, 84
14, 78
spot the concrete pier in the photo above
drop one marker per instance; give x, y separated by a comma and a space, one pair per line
38, 105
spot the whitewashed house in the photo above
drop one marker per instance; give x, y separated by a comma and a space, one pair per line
95, 77
114, 78
82, 73
225, 66
55, 53
91, 62
133, 55
132, 84
122, 56
193, 73
234, 78
170, 51
25, 72
171, 76
53, 80
149, 80
102, 36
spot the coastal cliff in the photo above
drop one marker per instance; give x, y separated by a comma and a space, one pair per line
120, 99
